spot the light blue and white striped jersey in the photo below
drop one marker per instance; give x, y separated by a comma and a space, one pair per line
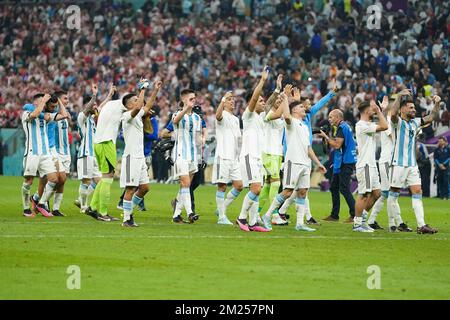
405, 132
36, 138
86, 129
186, 132
62, 137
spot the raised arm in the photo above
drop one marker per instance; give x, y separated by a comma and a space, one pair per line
279, 111
435, 112
139, 104
382, 122
396, 104
89, 107
284, 106
324, 101
219, 111
258, 90
112, 90
40, 107
151, 101
62, 114
273, 97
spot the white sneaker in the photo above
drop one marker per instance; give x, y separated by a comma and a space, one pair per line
259, 221
361, 229
304, 228
224, 220
276, 220
366, 226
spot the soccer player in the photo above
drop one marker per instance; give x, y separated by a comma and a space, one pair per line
297, 165
366, 166
87, 166
105, 152
272, 154
311, 111
226, 161
404, 169
187, 125
250, 157
134, 171
387, 143
37, 152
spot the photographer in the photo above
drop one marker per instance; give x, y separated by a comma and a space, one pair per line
343, 164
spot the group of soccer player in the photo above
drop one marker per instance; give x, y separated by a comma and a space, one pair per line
276, 140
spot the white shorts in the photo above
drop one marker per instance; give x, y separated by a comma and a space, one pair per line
87, 168
64, 163
402, 177
184, 168
225, 170
368, 179
296, 176
385, 169
133, 172
251, 171
32, 164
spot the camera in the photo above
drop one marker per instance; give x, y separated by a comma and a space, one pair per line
163, 146
324, 128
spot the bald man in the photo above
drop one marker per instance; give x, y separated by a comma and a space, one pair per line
343, 164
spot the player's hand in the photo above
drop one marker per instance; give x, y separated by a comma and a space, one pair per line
265, 73
94, 89
384, 103
334, 85
279, 81
322, 169
441, 166
436, 99
288, 90
405, 92
46, 97
296, 94
112, 89
158, 85
374, 106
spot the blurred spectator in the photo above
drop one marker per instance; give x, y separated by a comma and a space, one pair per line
442, 159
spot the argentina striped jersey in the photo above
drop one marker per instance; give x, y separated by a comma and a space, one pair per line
404, 154
86, 129
186, 132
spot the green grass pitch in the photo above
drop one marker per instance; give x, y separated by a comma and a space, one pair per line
161, 260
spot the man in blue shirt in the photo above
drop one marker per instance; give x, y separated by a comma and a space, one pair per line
343, 164
442, 159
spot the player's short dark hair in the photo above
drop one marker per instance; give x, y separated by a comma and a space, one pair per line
363, 106
294, 104
186, 91
405, 100
38, 95
60, 93
127, 97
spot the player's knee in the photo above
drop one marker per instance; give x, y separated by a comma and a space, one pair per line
287, 193
255, 189
376, 194
302, 193
222, 187
143, 189
53, 178
238, 186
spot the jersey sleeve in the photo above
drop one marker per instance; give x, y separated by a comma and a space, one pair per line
366, 128
247, 115
26, 116
169, 127
126, 116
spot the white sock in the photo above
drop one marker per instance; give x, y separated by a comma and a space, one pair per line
26, 195
364, 216
179, 206
300, 209
233, 194
307, 209
417, 205
276, 203
83, 194
254, 214
48, 192
377, 207
58, 200
392, 207
248, 202
398, 216
220, 199
91, 188
185, 196
36, 196
287, 203
127, 210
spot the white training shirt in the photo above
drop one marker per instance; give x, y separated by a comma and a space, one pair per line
253, 135
228, 134
133, 134
108, 122
387, 144
186, 132
297, 142
365, 139
274, 136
